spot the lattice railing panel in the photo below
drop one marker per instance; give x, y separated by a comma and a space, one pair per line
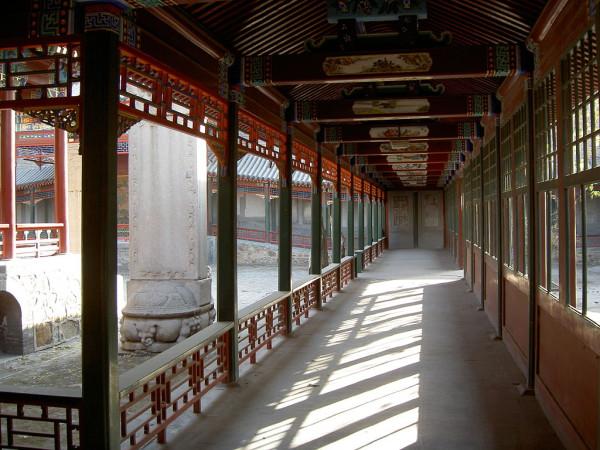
40, 423
150, 405
260, 330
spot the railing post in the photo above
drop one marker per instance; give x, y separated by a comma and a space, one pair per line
227, 308
285, 226
315, 251
100, 383
60, 188
8, 188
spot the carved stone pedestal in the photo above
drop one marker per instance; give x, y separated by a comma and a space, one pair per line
169, 294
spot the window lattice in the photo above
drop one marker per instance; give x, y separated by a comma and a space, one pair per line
546, 128
581, 104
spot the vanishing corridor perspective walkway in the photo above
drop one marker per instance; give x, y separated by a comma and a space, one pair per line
400, 359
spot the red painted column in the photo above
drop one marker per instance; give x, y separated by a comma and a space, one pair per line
60, 188
8, 188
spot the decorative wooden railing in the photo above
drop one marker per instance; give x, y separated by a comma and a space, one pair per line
154, 394
38, 418
304, 297
260, 323
37, 239
158, 391
3, 228
347, 271
329, 281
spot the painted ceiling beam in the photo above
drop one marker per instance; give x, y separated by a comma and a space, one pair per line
477, 61
385, 149
457, 106
438, 158
412, 131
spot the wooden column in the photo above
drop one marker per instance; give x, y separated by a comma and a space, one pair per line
8, 188
60, 188
100, 95
337, 217
285, 226
361, 232
316, 219
368, 211
227, 292
499, 234
532, 251
481, 229
350, 243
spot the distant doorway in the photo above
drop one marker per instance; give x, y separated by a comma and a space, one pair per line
416, 219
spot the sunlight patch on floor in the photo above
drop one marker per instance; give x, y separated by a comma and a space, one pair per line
362, 410
299, 392
269, 437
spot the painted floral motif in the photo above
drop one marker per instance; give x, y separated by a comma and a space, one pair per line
377, 64
390, 106
409, 166
407, 157
397, 132
403, 147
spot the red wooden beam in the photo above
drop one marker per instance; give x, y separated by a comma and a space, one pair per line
395, 108
385, 148
476, 61
384, 132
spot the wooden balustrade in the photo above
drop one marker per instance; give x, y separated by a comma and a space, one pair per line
347, 271
158, 391
39, 418
329, 281
260, 323
3, 228
38, 239
155, 393
305, 297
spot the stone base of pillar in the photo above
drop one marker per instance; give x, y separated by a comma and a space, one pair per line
160, 313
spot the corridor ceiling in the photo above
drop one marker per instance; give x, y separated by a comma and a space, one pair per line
386, 123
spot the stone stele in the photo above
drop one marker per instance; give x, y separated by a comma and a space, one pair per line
168, 295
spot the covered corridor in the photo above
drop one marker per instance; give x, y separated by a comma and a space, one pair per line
401, 358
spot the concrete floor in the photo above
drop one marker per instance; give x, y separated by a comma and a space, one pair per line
401, 359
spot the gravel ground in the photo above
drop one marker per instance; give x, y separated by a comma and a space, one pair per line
61, 365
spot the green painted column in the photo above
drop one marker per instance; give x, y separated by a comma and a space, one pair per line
368, 211
316, 217
268, 212
337, 219
361, 232
227, 308
350, 243
100, 377
376, 221
285, 226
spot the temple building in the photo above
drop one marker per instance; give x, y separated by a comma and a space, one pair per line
299, 224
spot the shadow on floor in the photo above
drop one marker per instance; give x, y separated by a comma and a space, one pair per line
401, 359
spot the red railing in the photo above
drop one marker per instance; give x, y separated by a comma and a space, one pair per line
36, 418
304, 297
37, 239
347, 271
157, 392
330, 281
154, 394
3, 228
259, 324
